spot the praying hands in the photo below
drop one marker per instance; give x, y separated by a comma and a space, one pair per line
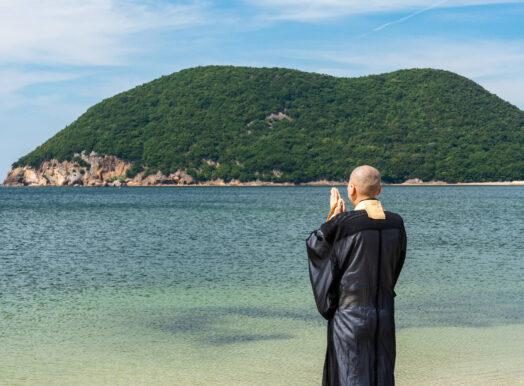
336, 204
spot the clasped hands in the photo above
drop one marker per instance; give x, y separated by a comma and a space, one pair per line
336, 204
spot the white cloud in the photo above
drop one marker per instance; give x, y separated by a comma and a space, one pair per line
315, 10
45, 41
508, 89
477, 59
496, 65
12, 80
87, 32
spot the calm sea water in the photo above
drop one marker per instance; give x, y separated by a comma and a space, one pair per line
209, 285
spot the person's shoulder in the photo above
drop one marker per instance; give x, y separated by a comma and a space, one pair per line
394, 218
354, 221
345, 219
360, 216
343, 224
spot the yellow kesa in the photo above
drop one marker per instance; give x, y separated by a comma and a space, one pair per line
373, 208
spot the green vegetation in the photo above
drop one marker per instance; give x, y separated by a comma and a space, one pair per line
115, 178
148, 172
134, 170
80, 162
211, 121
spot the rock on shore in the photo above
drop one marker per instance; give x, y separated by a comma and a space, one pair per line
96, 170
90, 170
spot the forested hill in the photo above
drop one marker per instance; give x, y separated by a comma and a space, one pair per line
277, 124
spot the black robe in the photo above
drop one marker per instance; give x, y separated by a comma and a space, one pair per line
354, 264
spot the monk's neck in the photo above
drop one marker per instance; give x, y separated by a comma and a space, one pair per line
360, 202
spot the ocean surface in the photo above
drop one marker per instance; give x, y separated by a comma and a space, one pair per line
210, 286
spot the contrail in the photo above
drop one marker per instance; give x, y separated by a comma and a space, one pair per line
410, 15
405, 17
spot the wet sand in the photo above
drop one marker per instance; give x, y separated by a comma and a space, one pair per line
425, 356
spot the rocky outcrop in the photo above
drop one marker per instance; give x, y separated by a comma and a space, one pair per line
413, 181
96, 170
418, 181
90, 170
272, 118
178, 178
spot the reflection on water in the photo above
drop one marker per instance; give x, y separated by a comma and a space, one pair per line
210, 285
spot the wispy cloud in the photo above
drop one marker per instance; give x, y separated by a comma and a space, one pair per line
494, 64
45, 41
318, 10
14, 79
87, 32
477, 59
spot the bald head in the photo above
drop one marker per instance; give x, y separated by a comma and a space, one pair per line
366, 180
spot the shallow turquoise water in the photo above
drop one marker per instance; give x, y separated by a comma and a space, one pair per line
199, 285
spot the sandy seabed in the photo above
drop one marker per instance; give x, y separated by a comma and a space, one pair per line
425, 356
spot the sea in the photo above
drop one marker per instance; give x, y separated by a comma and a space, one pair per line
210, 285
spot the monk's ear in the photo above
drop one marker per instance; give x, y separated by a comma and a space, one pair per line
379, 190
351, 189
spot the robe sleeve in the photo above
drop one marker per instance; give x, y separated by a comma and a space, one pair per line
402, 257
319, 252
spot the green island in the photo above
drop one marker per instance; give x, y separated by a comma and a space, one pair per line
283, 125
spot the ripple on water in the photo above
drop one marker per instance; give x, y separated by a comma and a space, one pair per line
210, 285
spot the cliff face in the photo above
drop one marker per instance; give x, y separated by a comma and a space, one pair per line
90, 170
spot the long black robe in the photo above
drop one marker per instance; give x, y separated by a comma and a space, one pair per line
354, 264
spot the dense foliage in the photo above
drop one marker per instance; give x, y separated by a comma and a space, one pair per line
427, 124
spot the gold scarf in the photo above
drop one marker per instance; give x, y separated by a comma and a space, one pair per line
373, 208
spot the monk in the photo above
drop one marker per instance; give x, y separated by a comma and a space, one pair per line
355, 260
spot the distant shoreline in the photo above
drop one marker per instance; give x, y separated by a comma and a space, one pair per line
102, 170
439, 183
312, 183
344, 183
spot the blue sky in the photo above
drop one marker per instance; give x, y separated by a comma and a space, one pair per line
58, 57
